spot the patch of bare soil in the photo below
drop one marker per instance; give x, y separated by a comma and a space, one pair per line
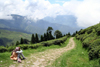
42, 59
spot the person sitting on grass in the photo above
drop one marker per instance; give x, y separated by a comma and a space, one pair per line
16, 54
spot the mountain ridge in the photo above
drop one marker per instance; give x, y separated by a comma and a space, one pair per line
40, 26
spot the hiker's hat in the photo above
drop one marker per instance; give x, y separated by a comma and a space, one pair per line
17, 48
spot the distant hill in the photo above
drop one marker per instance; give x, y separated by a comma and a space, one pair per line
10, 37
22, 24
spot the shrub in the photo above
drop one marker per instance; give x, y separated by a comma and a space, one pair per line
94, 53
37, 45
94, 30
94, 49
98, 31
46, 44
89, 35
83, 31
57, 42
31, 46
89, 31
94, 44
24, 47
87, 42
11, 48
34, 46
3, 49
76, 35
80, 37
90, 38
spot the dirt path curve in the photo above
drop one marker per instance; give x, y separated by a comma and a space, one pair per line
42, 59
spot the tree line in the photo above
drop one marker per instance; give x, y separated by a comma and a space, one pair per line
45, 37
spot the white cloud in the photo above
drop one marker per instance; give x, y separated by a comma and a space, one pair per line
61, 1
31, 8
87, 11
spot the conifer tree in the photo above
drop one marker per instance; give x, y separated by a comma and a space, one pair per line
42, 38
17, 43
48, 36
21, 41
36, 38
45, 37
32, 39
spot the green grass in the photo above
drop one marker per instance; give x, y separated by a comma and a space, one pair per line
5, 57
10, 37
77, 57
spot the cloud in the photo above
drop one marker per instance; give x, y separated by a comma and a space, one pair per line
61, 1
87, 12
34, 9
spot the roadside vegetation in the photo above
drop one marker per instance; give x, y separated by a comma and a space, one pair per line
87, 51
6, 55
77, 57
90, 38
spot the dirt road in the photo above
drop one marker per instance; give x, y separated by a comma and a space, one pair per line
42, 59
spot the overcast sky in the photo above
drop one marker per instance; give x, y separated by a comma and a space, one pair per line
86, 11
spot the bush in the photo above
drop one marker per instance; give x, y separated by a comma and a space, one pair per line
57, 42
24, 47
89, 35
83, 31
87, 42
34, 46
3, 49
11, 48
46, 44
89, 31
94, 44
37, 45
90, 38
31, 46
94, 53
80, 37
98, 31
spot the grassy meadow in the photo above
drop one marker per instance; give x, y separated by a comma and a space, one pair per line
6, 55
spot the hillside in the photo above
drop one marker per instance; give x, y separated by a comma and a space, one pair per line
90, 38
10, 37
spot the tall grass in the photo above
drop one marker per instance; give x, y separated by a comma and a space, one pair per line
77, 57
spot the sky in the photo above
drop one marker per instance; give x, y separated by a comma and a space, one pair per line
87, 12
